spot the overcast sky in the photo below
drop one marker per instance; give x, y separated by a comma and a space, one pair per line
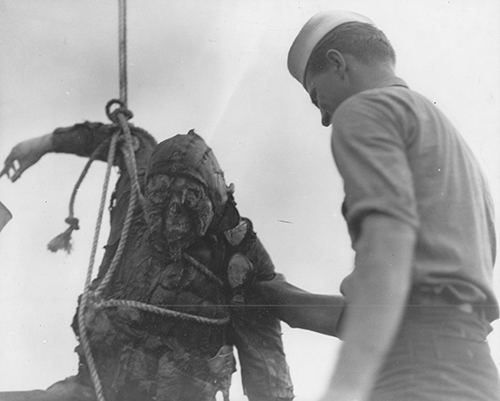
219, 67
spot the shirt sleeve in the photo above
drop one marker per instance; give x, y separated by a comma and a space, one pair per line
369, 147
84, 138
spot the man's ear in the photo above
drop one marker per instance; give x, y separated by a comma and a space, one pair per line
336, 61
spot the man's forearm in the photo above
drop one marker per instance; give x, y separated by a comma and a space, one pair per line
302, 309
47, 143
376, 299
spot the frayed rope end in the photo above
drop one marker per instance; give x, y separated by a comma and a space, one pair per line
63, 240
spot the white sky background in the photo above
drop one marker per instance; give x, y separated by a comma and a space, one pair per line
219, 67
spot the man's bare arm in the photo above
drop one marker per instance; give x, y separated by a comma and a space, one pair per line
292, 305
376, 299
299, 308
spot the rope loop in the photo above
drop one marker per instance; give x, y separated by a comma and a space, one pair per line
120, 109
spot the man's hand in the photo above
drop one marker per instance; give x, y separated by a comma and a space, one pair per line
24, 155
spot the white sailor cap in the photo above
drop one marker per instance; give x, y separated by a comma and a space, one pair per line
311, 34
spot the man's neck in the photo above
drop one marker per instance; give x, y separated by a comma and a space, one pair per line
369, 77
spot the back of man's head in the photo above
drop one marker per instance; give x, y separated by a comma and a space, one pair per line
345, 31
365, 42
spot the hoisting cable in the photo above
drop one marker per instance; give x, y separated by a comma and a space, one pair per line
128, 153
122, 38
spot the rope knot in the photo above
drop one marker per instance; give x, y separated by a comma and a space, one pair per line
73, 223
121, 109
63, 240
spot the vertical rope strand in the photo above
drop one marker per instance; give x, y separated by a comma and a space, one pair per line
122, 34
86, 293
128, 152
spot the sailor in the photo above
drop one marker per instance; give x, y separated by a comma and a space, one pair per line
420, 300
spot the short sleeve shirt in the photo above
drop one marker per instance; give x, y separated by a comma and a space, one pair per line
400, 156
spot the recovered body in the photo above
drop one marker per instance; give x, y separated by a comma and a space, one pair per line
177, 257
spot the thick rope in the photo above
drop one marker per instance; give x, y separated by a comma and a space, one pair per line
122, 35
203, 269
86, 292
163, 311
128, 151
130, 158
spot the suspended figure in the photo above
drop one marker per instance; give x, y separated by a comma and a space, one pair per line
188, 251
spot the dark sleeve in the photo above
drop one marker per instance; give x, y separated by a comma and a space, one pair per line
264, 370
255, 331
83, 139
